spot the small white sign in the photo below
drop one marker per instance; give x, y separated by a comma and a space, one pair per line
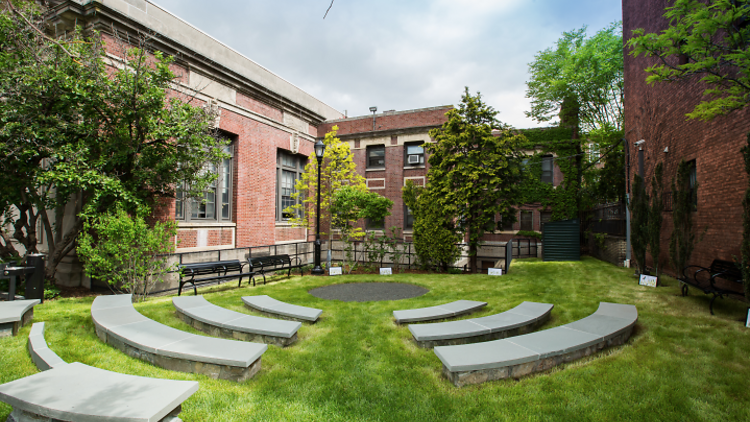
385, 271
334, 271
494, 271
648, 280
747, 321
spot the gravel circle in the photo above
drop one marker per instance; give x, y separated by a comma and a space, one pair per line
368, 292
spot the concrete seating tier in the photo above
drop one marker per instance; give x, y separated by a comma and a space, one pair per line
515, 357
43, 357
78, 392
433, 313
524, 318
120, 325
275, 308
217, 321
15, 314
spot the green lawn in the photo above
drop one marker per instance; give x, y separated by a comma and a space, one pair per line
355, 364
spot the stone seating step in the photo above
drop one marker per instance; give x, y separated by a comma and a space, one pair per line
215, 320
15, 314
78, 392
522, 319
118, 323
276, 308
515, 357
44, 358
432, 313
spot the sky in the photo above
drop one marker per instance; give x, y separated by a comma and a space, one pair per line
398, 54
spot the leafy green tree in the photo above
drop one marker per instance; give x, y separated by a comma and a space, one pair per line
349, 205
639, 235
473, 172
125, 251
79, 134
655, 217
682, 240
435, 236
580, 80
337, 170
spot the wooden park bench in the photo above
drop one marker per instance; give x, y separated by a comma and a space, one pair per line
78, 392
220, 322
269, 263
722, 278
214, 271
518, 356
119, 324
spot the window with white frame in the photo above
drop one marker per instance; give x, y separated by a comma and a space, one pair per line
215, 203
414, 154
289, 169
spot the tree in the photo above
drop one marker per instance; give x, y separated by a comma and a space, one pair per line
655, 217
435, 236
581, 81
682, 240
639, 236
337, 170
708, 42
126, 251
473, 171
350, 205
79, 134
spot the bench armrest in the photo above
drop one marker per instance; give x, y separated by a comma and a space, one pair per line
695, 269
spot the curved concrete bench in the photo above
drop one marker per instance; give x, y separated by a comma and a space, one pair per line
275, 308
15, 314
217, 321
515, 357
448, 310
119, 324
78, 392
524, 318
43, 357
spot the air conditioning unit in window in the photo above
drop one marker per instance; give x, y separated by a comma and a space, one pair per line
413, 159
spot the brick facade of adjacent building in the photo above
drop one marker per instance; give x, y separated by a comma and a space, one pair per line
655, 113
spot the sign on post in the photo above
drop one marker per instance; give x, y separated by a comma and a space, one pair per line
385, 271
334, 271
747, 321
648, 280
494, 271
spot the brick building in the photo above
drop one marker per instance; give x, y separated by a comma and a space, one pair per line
655, 113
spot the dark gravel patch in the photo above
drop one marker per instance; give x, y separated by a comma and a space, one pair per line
368, 292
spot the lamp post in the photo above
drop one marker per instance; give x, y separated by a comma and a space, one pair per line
320, 149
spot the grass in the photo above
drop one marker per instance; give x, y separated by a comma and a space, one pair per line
355, 364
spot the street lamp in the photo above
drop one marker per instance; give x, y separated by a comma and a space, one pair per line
320, 149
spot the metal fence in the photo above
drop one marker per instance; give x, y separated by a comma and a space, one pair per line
605, 218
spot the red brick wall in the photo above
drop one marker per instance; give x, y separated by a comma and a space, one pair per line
656, 113
397, 120
259, 107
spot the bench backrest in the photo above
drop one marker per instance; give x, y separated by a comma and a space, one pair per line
202, 268
728, 269
269, 261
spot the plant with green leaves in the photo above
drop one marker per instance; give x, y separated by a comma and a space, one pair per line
682, 241
336, 171
655, 217
639, 235
127, 252
77, 132
349, 205
474, 169
396, 247
435, 236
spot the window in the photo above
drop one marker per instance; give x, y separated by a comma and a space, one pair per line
527, 220
547, 169
289, 169
544, 217
215, 203
376, 156
414, 154
375, 224
693, 183
408, 218
507, 224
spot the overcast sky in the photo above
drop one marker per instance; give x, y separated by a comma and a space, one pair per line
398, 54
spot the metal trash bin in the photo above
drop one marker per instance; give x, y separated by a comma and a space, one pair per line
35, 280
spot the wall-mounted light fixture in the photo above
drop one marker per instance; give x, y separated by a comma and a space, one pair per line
666, 150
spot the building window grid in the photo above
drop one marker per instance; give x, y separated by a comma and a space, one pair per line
547, 175
204, 208
376, 156
289, 169
527, 220
414, 154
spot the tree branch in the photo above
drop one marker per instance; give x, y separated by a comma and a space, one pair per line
329, 8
